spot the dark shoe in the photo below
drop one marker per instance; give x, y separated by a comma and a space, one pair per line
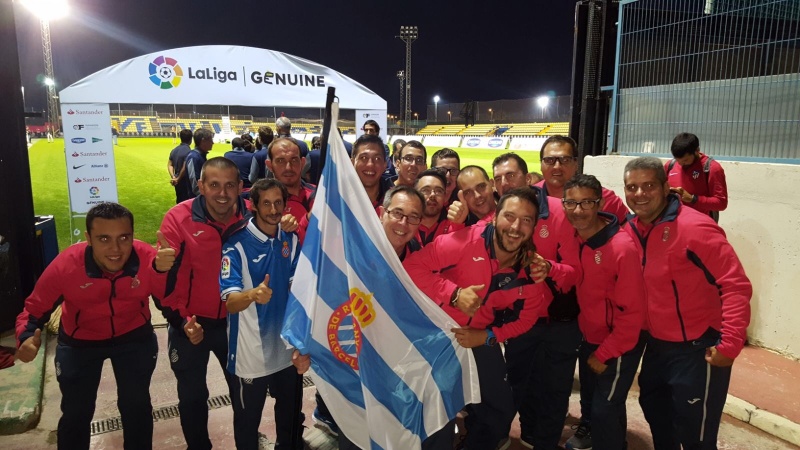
582, 439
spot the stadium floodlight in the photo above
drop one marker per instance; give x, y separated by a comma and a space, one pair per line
47, 10
436, 108
449, 116
491, 115
408, 34
543, 101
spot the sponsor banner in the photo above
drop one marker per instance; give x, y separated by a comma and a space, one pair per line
221, 75
491, 142
91, 173
526, 143
363, 115
442, 141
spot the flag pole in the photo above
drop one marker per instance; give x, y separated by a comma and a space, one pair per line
326, 128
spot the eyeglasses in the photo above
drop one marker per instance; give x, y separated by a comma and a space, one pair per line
448, 172
426, 192
564, 160
418, 160
398, 215
586, 205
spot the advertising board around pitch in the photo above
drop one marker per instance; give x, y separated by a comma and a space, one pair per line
91, 172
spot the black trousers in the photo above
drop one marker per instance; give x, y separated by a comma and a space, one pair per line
603, 396
681, 395
78, 370
541, 371
248, 398
189, 362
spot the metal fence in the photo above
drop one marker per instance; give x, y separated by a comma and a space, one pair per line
725, 70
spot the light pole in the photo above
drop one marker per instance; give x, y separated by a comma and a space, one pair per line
543, 101
408, 34
491, 115
48, 10
449, 116
401, 76
436, 108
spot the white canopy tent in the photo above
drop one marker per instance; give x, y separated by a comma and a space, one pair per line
204, 75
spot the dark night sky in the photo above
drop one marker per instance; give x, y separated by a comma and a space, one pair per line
467, 50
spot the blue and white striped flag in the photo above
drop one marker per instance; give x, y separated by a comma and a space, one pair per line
382, 354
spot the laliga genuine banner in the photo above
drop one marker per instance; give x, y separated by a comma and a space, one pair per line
91, 174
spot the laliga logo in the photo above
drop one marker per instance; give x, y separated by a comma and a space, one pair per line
165, 72
360, 312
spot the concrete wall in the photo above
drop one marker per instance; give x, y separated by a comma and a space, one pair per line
763, 225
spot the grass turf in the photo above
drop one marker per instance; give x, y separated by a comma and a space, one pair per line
143, 181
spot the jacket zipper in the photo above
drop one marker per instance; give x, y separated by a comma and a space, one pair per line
111, 305
678, 310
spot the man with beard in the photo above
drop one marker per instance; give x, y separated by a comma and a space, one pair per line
431, 184
480, 276
411, 160
476, 200
286, 164
541, 362
258, 265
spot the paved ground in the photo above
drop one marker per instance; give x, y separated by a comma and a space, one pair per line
734, 434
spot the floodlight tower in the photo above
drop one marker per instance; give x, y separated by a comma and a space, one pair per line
401, 76
48, 10
408, 34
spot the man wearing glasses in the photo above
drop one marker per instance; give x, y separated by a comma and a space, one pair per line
285, 162
559, 164
448, 161
410, 162
431, 184
611, 297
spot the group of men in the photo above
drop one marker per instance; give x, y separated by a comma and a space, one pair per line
556, 270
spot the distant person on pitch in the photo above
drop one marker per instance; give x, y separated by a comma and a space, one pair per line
176, 166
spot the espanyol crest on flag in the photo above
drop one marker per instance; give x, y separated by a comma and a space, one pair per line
382, 355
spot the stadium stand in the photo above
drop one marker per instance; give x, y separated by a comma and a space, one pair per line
481, 129
430, 129
525, 129
556, 128
450, 130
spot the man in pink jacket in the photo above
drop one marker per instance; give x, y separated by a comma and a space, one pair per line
697, 310
611, 298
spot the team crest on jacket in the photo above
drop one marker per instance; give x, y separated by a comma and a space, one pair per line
544, 232
135, 282
285, 251
665, 234
695, 174
598, 257
344, 339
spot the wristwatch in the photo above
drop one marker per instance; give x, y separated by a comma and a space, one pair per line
490, 338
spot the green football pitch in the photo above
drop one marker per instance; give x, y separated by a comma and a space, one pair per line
142, 180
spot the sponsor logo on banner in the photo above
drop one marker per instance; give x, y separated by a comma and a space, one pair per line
165, 72
78, 140
87, 112
74, 167
94, 192
473, 142
495, 143
89, 154
95, 140
91, 180
88, 126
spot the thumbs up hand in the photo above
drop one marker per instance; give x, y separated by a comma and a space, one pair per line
27, 350
468, 300
261, 294
193, 330
457, 212
165, 256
